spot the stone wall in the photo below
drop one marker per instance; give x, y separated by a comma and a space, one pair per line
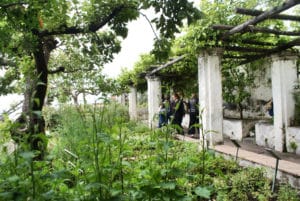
264, 135
238, 129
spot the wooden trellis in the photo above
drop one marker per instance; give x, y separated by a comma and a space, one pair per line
262, 49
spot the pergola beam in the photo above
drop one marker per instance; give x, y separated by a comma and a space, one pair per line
258, 29
283, 47
251, 42
253, 12
265, 15
246, 49
166, 65
230, 56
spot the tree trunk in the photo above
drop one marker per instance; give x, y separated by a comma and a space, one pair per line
31, 123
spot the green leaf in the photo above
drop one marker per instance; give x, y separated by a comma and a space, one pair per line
28, 155
93, 186
203, 192
126, 163
168, 185
13, 178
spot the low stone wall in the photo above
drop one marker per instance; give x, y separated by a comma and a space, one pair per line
293, 140
238, 129
233, 129
264, 134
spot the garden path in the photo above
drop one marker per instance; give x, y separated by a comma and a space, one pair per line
254, 155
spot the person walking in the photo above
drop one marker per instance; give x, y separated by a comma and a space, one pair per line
162, 116
193, 105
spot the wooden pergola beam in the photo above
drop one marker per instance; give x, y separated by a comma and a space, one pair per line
258, 29
265, 15
166, 65
230, 56
246, 49
283, 47
251, 42
253, 12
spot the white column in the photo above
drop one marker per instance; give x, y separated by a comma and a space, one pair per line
121, 99
284, 77
132, 100
210, 94
154, 99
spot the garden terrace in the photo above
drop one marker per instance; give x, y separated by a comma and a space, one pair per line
241, 44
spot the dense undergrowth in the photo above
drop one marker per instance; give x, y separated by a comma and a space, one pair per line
96, 153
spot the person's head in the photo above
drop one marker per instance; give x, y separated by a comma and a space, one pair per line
167, 97
176, 96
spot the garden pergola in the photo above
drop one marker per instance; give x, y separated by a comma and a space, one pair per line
260, 49
283, 63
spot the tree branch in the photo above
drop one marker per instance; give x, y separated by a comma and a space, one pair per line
92, 27
58, 70
5, 6
153, 30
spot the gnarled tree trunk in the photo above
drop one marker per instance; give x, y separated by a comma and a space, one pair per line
31, 123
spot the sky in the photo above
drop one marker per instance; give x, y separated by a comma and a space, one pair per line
139, 41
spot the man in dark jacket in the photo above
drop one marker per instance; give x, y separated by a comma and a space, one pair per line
177, 111
193, 106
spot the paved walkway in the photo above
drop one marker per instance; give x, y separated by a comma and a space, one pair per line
288, 163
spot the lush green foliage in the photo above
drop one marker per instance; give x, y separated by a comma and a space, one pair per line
248, 184
287, 193
79, 26
201, 36
136, 76
297, 105
95, 153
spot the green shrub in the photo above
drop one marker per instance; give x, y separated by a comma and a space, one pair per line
250, 184
286, 192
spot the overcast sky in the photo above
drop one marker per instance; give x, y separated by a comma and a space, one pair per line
139, 41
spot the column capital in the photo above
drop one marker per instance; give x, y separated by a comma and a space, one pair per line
284, 55
212, 52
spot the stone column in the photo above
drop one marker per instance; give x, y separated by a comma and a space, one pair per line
132, 100
284, 77
210, 94
154, 99
121, 99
